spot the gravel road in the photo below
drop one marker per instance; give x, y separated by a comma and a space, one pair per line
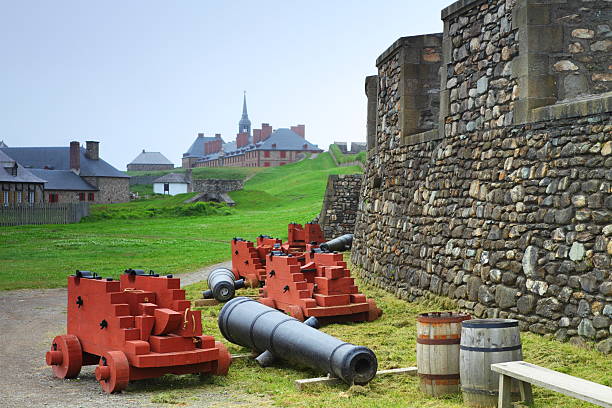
29, 320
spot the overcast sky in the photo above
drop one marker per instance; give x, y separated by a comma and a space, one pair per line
145, 74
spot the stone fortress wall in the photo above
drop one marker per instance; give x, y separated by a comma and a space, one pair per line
339, 210
503, 201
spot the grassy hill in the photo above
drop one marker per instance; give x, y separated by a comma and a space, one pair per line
41, 256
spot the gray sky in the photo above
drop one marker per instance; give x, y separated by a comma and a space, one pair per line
148, 74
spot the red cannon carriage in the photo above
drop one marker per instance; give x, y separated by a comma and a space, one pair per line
138, 327
315, 284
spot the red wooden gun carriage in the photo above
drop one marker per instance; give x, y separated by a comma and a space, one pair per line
137, 327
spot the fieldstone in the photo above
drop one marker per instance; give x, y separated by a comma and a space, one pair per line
564, 216
606, 149
530, 261
579, 201
586, 329
539, 287
575, 48
548, 307
485, 296
495, 275
505, 297
601, 322
605, 346
576, 252
482, 85
588, 282
584, 308
565, 65
526, 303
606, 288
564, 322
473, 285
575, 85
604, 45
607, 310
583, 33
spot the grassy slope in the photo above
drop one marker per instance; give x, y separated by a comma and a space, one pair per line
232, 173
345, 158
40, 256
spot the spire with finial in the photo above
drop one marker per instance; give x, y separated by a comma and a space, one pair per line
244, 126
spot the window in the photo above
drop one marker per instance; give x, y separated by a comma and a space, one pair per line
53, 198
5, 198
283, 154
19, 199
91, 197
81, 196
31, 197
266, 164
267, 153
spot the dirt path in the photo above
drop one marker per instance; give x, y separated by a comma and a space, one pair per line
29, 319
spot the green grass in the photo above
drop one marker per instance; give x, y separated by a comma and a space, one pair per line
156, 206
142, 189
228, 173
346, 158
392, 338
41, 256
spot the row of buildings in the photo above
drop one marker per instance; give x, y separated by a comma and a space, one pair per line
59, 175
262, 147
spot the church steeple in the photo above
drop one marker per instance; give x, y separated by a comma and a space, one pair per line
244, 126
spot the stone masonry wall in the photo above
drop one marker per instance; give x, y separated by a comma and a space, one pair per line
112, 189
583, 66
339, 211
508, 219
216, 186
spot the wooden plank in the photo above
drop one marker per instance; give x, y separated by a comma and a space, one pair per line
302, 384
553, 380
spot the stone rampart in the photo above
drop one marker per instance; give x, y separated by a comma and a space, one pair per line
506, 206
339, 210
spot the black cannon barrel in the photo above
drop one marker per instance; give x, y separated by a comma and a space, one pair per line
251, 324
222, 285
341, 243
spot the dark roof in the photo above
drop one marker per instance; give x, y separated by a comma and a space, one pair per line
197, 147
286, 139
151, 158
62, 180
172, 178
2, 144
58, 158
23, 175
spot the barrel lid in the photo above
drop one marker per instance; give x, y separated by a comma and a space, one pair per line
442, 317
490, 323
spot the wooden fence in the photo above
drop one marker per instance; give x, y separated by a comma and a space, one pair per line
47, 213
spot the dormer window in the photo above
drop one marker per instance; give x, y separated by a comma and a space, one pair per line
274, 145
305, 146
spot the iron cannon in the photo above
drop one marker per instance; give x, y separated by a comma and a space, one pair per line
221, 285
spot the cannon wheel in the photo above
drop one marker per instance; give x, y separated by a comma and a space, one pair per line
113, 371
68, 364
252, 282
373, 311
224, 361
296, 312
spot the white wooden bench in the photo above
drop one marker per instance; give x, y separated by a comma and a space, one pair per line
528, 374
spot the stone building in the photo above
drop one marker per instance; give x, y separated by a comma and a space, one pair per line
18, 185
73, 173
150, 161
263, 148
172, 184
489, 173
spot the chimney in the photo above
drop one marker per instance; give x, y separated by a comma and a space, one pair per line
300, 130
266, 131
200, 134
256, 135
217, 135
75, 156
242, 139
92, 150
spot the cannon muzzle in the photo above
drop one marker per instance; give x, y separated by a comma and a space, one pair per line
251, 324
341, 243
221, 285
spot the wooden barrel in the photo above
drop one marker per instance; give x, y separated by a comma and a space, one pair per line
485, 342
438, 336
